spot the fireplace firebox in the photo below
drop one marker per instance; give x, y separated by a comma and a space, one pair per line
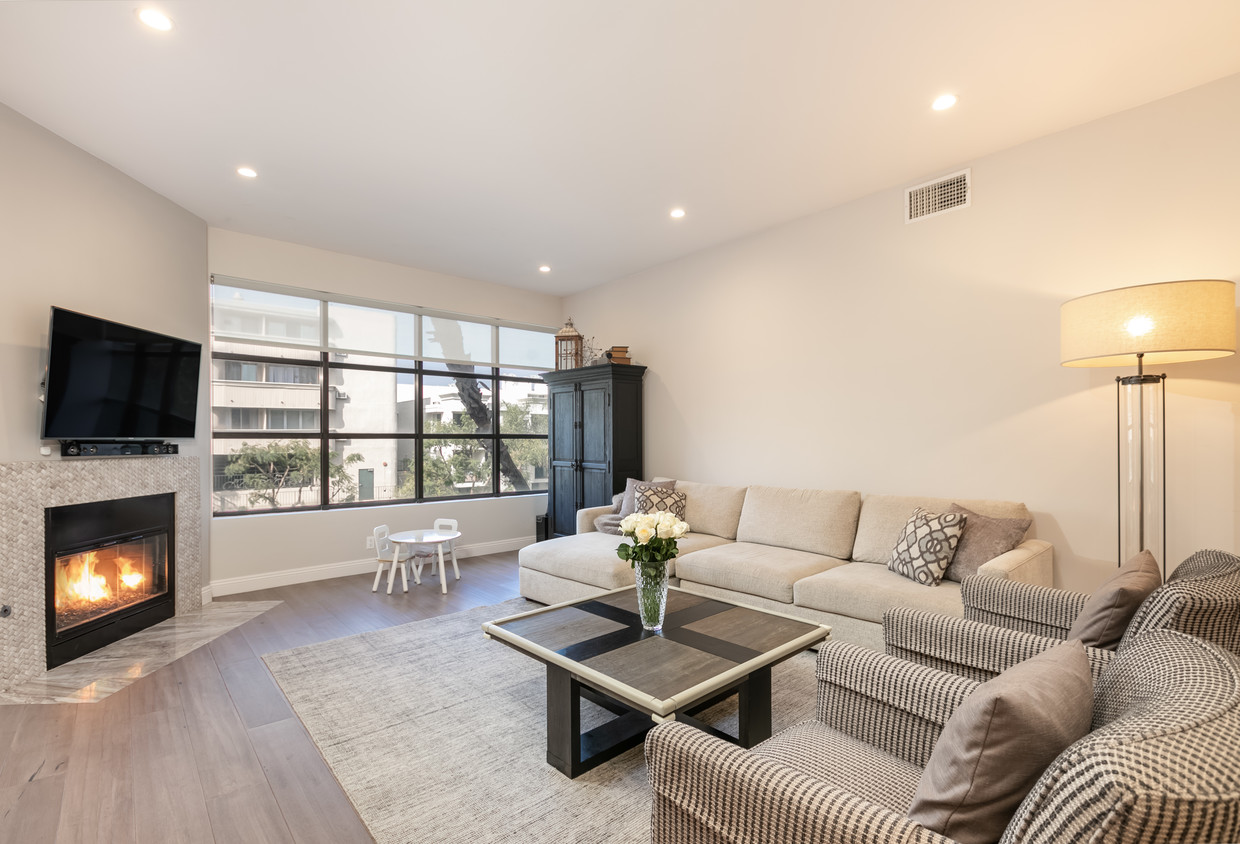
110, 572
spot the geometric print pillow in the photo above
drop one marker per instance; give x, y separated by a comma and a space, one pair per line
925, 549
658, 500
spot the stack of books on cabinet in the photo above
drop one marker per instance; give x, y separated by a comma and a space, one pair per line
619, 354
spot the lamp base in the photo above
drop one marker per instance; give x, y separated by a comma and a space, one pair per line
1140, 460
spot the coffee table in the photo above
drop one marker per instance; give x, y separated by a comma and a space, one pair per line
596, 649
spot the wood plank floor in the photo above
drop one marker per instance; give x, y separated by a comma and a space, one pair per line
207, 749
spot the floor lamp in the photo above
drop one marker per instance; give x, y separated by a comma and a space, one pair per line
1147, 325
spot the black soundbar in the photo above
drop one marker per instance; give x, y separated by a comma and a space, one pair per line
109, 448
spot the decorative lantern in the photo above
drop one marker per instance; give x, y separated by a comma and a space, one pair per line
568, 347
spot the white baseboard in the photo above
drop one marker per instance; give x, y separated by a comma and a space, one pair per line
207, 594
308, 574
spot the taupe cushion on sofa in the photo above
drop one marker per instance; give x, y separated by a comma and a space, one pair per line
984, 538
1105, 616
711, 508
883, 518
753, 569
997, 744
865, 592
815, 520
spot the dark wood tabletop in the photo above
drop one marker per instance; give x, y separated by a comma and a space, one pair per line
705, 645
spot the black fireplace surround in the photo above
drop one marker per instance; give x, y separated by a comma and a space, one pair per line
143, 527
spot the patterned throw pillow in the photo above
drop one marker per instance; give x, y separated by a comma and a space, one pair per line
927, 546
628, 505
658, 500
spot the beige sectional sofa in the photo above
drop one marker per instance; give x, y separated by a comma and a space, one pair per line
818, 554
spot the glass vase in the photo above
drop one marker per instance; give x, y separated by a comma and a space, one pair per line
651, 593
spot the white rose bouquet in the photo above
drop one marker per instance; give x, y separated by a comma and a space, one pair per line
654, 543
654, 537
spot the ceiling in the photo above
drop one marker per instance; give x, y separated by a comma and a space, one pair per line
483, 138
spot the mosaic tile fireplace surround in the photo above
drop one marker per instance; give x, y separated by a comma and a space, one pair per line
29, 489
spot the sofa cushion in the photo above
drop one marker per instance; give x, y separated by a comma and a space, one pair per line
860, 590
628, 505
883, 518
591, 557
815, 520
1000, 740
1105, 616
926, 547
752, 569
984, 538
711, 508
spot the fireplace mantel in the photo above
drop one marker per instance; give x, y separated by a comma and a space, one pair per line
27, 488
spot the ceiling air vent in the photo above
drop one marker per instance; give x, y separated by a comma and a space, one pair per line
939, 196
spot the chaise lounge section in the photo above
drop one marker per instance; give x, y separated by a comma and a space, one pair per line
820, 555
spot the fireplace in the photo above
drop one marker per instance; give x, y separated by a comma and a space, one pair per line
110, 572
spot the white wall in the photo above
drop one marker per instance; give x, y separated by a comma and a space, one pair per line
256, 551
77, 233
850, 350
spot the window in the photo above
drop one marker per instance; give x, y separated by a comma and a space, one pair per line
285, 374
319, 403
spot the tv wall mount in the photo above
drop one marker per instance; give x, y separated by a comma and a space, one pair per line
115, 448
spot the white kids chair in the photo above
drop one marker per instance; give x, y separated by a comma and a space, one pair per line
432, 550
388, 553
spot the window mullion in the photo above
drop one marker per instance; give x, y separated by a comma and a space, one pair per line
324, 458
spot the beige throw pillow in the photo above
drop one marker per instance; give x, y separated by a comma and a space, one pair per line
984, 538
1106, 614
925, 548
629, 505
1000, 740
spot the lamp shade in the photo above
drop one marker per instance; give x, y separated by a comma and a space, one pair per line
1170, 322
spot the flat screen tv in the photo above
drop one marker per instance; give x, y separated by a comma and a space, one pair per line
108, 381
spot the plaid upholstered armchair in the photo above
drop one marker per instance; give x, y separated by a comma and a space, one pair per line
1006, 622
1159, 764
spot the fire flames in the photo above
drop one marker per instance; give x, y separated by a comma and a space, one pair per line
79, 580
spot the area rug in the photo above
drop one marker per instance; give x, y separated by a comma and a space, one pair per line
438, 734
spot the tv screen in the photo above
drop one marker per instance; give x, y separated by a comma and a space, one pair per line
109, 381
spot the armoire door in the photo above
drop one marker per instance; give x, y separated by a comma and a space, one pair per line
565, 487
596, 444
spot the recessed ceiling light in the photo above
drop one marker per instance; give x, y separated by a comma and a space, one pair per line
544, 269
944, 102
677, 213
248, 172
155, 19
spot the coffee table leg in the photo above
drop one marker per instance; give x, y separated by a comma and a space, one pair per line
755, 708
572, 752
563, 721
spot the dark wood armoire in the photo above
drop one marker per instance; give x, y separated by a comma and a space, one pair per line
595, 439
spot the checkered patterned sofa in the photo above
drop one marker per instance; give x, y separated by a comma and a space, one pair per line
1006, 622
1160, 765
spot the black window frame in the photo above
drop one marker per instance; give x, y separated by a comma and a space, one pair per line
324, 436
